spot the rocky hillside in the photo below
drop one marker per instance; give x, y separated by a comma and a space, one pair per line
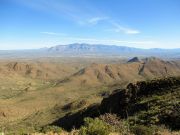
154, 102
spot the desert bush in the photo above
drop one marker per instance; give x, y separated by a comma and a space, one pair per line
117, 125
54, 129
94, 127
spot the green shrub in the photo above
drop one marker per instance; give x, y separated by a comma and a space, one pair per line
54, 129
117, 124
142, 130
94, 127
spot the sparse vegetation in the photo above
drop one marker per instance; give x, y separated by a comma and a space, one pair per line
37, 101
53, 129
117, 125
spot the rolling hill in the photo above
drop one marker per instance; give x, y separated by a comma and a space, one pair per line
105, 74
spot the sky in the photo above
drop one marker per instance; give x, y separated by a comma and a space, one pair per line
29, 24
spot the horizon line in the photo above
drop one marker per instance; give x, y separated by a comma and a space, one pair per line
26, 49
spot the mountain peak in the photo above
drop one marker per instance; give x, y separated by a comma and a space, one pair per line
135, 59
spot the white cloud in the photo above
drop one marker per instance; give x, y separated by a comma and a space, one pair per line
96, 20
119, 28
92, 21
53, 33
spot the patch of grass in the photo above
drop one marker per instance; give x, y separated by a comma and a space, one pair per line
117, 124
94, 127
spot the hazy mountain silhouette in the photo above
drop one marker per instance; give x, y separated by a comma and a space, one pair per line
84, 49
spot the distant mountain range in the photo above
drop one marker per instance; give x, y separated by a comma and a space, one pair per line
105, 49
84, 49
87, 48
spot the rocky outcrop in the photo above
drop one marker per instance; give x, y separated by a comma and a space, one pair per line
147, 100
124, 101
127, 102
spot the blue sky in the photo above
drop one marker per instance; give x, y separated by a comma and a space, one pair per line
26, 24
